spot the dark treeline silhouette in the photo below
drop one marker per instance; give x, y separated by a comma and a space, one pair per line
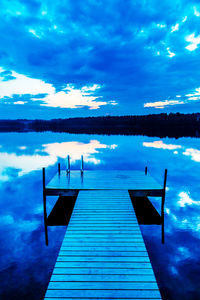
161, 125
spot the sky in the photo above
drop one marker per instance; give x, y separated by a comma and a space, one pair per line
70, 58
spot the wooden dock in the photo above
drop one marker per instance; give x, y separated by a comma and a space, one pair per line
103, 255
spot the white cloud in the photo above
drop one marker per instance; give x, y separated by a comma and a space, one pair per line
184, 19
170, 54
29, 163
194, 98
193, 153
194, 42
22, 85
76, 149
196, 12
185, 199
175, 28
32, 31
19, 102
70, 97
161, 25
74, 98
162, 104
194, 95
161, 145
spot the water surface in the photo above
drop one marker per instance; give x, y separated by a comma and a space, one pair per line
26, 263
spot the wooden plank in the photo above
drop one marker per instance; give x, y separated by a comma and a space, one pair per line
122, 180
104, 294
96, 253
120, 248
103, 255
68, 298
104, 277
99, 243
100, 264
103, 271
104, 259
99, 285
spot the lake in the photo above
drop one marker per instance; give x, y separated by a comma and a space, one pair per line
26, 263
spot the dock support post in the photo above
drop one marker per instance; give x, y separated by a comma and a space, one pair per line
162, 206
44, 207
59, 169
81, 164
68, 164
145, 170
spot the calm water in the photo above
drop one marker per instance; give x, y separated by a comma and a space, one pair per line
26, 263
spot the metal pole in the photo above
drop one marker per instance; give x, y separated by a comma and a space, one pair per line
81, 164
44, 207
68, 164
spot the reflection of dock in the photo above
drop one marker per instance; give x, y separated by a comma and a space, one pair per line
103, 255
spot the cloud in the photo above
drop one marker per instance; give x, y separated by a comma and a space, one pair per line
175, 27
147, 50
48, 155
194, 42
161, 145
22, 85
162, 104
193, 153
71, 97
185, 200
76, 149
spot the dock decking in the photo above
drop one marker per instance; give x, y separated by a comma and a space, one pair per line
103, 255
104, 180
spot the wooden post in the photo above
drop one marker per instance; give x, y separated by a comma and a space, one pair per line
45, 207
162, 206
68, 164
59, 169
81, 164
145, 170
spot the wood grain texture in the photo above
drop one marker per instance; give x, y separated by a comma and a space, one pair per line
103, 255
104, 180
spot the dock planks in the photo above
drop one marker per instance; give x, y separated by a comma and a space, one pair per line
103, 255
101, 180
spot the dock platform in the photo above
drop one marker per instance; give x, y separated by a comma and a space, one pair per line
104, 180
103, 254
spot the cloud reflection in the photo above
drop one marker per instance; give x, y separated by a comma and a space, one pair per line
161, 145
185, 199
191, 152
48, 155
76, 149
194, 153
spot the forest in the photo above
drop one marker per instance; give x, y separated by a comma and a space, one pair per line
161, 125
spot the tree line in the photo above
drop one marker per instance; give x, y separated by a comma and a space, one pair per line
161, 125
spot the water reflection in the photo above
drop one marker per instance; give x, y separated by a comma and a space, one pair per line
47, 155
25, 262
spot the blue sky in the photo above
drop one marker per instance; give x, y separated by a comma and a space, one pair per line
93, 57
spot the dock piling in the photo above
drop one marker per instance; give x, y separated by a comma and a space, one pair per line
59, 169
162, 206
44, 207
146, 170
